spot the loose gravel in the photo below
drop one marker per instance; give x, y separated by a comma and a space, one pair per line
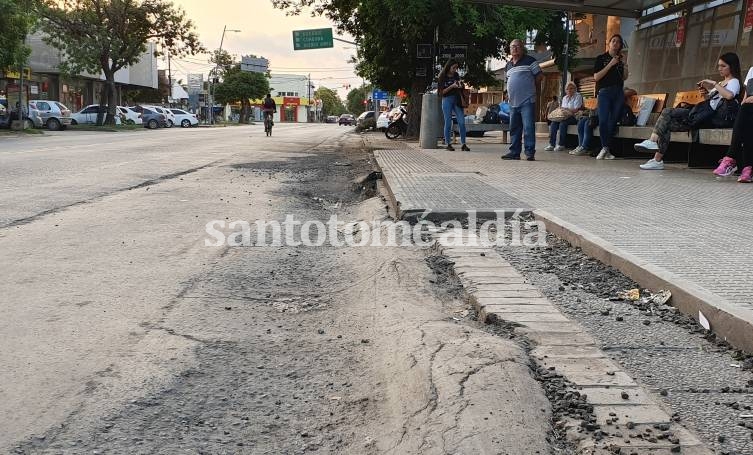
708, 384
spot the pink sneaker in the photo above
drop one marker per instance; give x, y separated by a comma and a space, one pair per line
726, 167
746, 176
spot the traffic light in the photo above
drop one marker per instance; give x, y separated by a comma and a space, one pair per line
365, 102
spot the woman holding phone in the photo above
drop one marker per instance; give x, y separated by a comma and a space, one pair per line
450, 88
610, 72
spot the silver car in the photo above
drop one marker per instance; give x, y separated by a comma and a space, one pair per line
51, 114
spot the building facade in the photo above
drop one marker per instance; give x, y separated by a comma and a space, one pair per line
43, 80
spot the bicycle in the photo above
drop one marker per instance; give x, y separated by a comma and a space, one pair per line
268, 123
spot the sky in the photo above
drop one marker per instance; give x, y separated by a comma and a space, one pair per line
266, 32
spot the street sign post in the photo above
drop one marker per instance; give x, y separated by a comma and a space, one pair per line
317, 38
456, 51
379, 95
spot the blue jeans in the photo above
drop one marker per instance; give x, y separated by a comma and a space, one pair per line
562, 128
610, 102
523, 129
449, 105
585, 132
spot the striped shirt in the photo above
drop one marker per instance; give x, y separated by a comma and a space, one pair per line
521, 80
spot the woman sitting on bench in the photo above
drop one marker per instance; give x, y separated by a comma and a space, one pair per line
741, 148
677, 119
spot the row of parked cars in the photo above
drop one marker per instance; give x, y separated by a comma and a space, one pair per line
55, 116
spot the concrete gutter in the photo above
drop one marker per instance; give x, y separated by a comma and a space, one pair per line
728, 321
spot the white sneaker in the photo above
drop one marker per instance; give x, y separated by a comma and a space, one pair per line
646, 146
603, 153
653, 165
608, 156
576, 150
559, 148
548, 148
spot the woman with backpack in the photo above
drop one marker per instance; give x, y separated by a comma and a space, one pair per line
716, 95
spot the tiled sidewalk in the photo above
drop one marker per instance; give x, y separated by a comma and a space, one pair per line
684, 221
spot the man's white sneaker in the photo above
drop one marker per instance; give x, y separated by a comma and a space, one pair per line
653, 165
576, 150
646, 146
559, 148
548, 148
603, 153
608, 156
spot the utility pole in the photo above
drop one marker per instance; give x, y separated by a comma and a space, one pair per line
169, 80
567, 50
308, 112
216, 73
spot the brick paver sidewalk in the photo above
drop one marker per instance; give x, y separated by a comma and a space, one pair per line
684, 221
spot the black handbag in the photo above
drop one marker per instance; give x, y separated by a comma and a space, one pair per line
725, 114
700, 115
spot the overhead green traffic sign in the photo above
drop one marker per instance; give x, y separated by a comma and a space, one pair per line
317, 38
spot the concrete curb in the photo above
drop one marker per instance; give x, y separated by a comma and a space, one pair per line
732, 323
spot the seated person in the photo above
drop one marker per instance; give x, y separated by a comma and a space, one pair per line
740, 152
572, 102
585, 133
677, 119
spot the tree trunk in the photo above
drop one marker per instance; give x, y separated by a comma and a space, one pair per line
102, 101
111, 103
414, 109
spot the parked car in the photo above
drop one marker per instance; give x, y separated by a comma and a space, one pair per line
166, 112
151, 118
331, 119
88, 115
346, 119
51, 114
184, 119
366, 120
131, 117
383, 120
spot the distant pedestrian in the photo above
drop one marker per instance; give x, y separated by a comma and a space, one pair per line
610, 72
523, 74
449, 87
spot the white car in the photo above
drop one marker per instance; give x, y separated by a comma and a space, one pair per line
184, 119
132, 117
166, 112
88, 115
383, 121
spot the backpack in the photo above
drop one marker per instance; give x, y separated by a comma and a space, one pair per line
491, 117
269, 103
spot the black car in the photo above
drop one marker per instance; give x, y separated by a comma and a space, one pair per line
152, 119
346, 119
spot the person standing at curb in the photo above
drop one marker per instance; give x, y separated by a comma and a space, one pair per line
523, 74
610, 72
449, 87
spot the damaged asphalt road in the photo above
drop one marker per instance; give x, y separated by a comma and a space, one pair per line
137, 338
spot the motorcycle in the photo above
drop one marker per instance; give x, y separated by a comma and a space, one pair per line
398, 126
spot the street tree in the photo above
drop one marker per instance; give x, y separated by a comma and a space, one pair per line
355, 99
223, 62
242, 87
388, 32
16, 21
331, 102
553, 33
105, 36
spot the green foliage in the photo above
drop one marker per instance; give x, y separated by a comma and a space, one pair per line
16, 21
331, 102
241, 86
223, 61
553, 34
108, 35
355, 99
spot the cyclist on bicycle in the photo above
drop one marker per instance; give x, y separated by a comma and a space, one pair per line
269, 107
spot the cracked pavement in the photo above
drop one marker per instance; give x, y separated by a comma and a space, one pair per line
124, 333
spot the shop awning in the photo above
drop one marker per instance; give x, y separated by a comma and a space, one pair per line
622, 8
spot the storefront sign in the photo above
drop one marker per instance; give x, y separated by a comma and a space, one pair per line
748, 24
682, 24
291, 100
34, 90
